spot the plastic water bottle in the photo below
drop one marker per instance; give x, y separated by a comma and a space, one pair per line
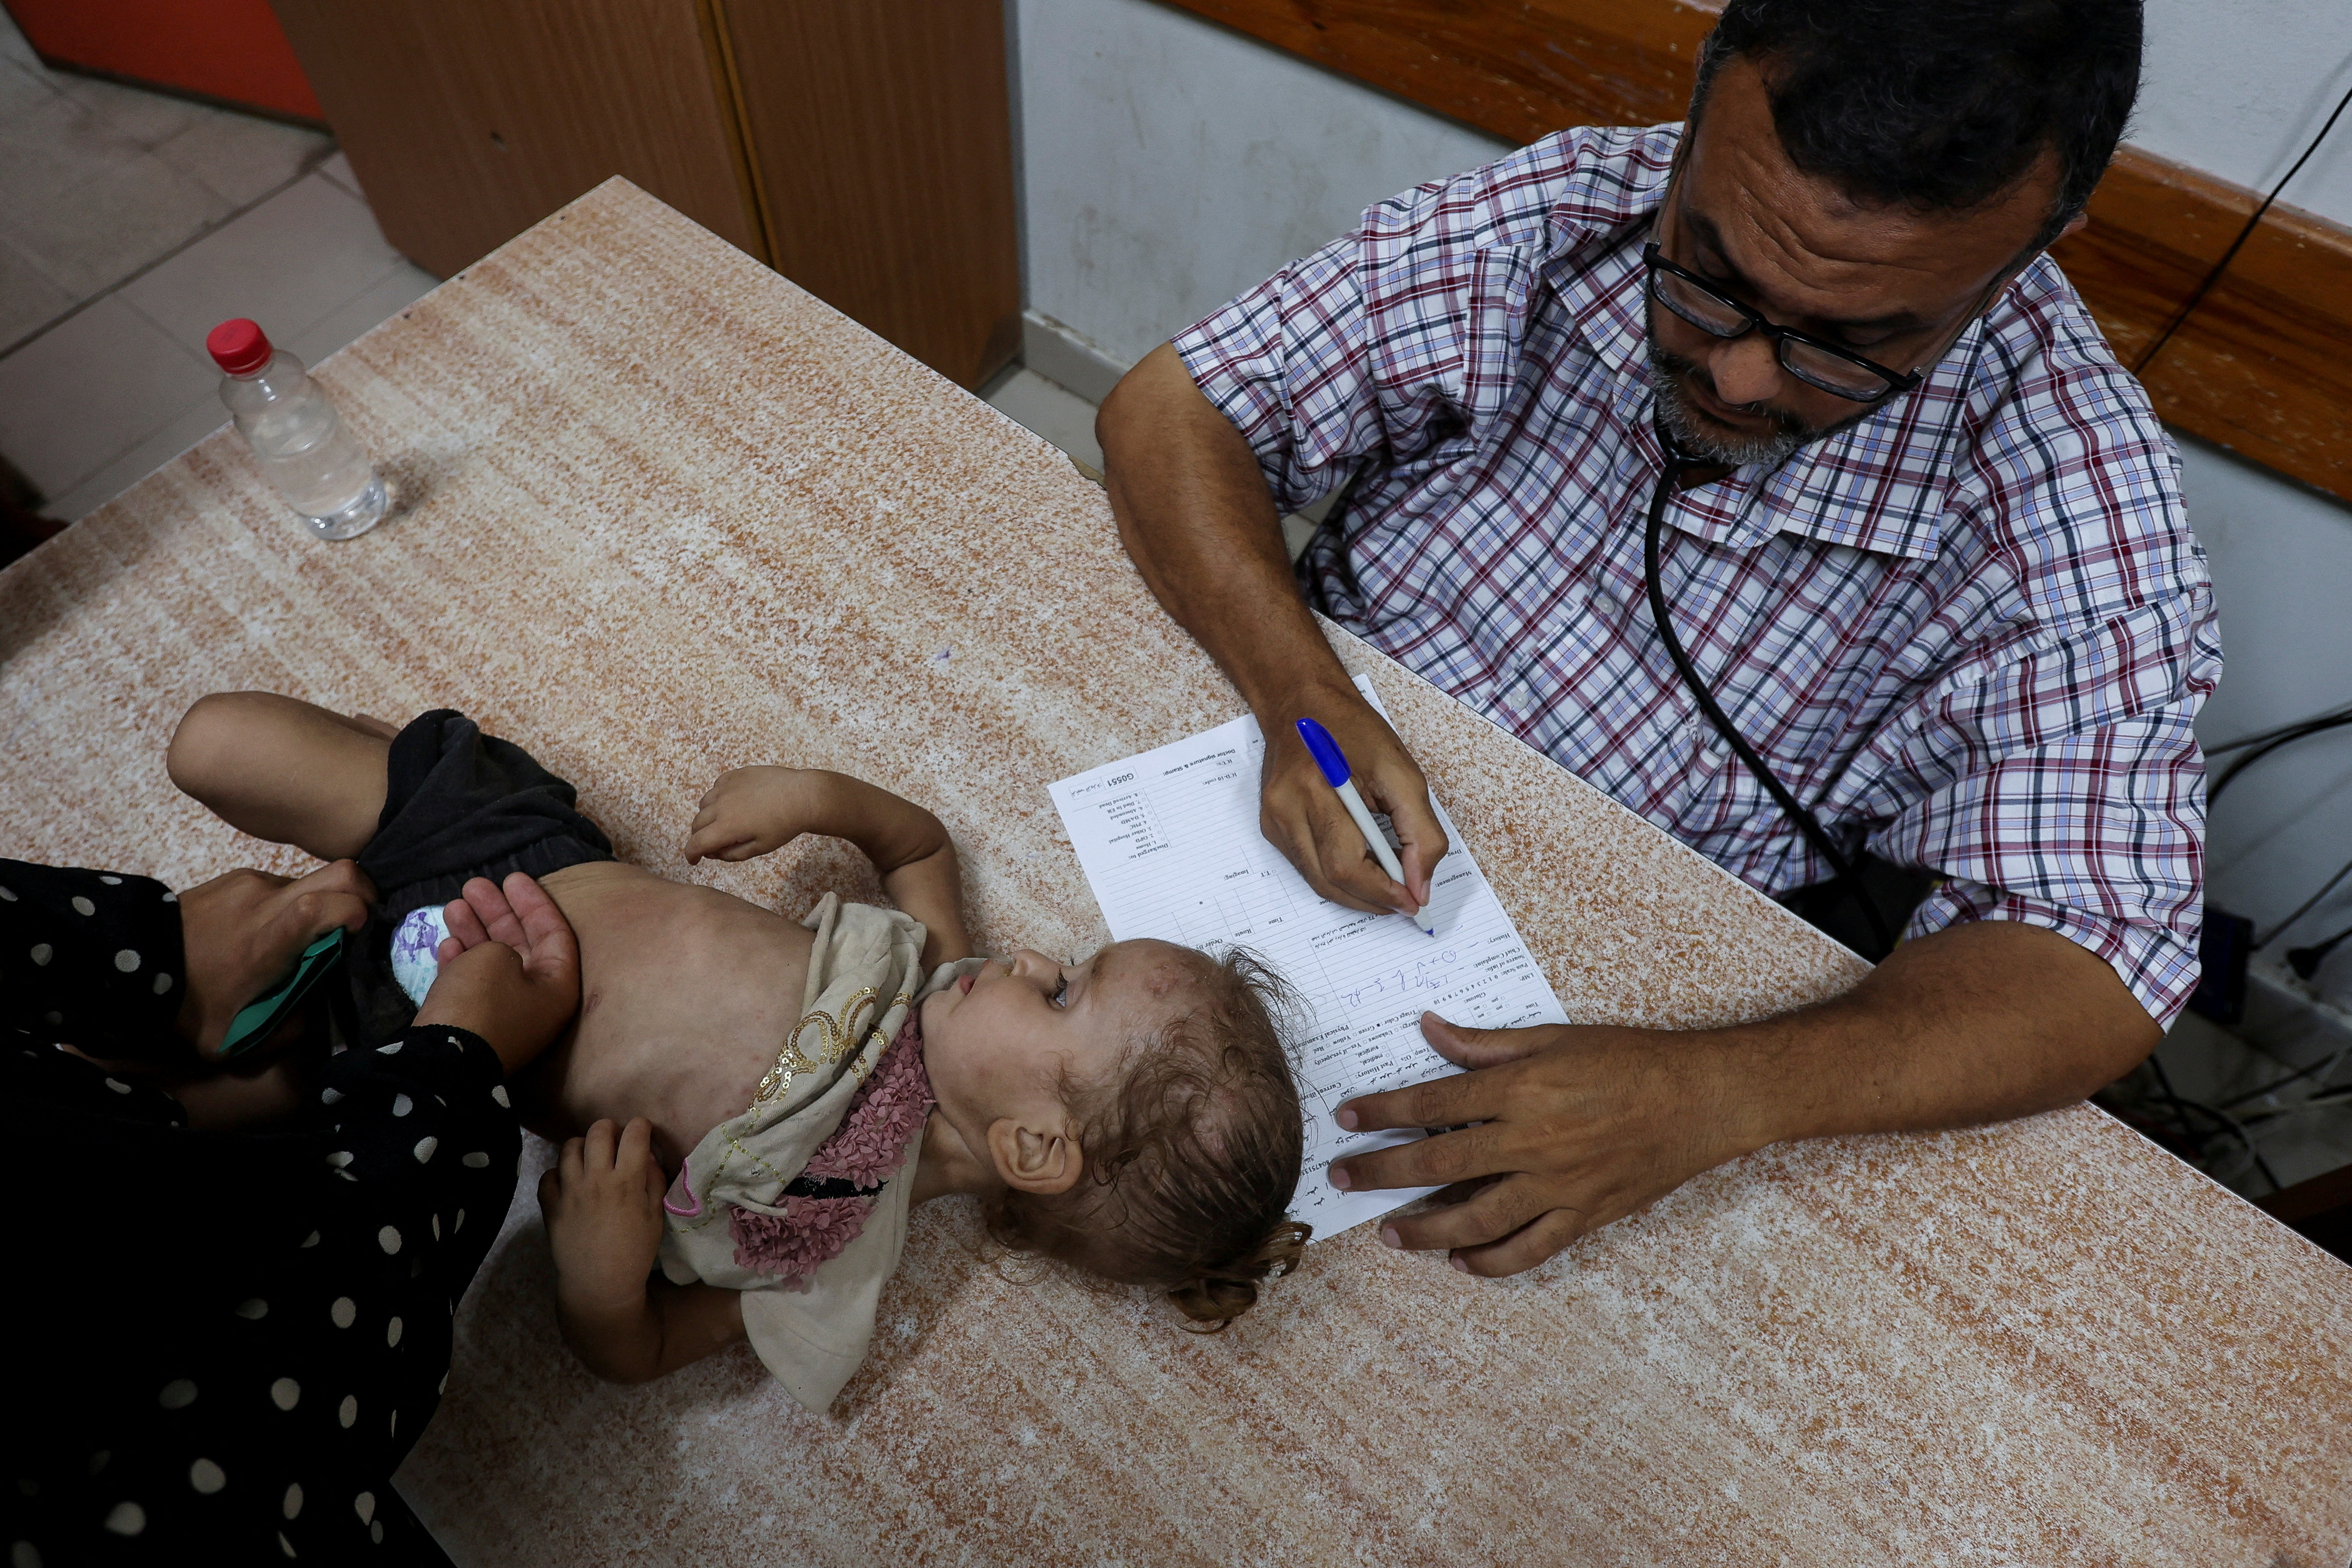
304, 447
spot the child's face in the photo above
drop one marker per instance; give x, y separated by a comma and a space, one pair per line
995, 1043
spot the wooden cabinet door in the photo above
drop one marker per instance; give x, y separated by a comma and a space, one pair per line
880, 134
469, 120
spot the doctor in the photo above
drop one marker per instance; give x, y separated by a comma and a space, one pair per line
1767, 473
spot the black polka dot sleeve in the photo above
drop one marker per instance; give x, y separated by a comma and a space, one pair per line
92, 957
243, 1335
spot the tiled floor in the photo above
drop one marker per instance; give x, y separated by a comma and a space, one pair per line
131, 223
1050, 410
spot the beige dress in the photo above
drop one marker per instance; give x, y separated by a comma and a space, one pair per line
865, 976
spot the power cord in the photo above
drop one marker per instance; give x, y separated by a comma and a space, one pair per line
2255, 747
2303, 909
2245, 234
1677, 461
2225, 1124
2317, 721
2305, 960
2323, 1070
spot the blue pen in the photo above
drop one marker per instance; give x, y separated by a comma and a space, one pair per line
1334, 763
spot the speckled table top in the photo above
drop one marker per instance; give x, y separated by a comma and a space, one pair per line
663, 514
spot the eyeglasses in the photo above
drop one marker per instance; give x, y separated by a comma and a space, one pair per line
1817, 363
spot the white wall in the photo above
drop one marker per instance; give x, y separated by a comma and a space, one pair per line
2239, 88
2282, 564
1168, 165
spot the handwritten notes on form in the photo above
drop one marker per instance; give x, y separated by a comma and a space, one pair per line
1169, 843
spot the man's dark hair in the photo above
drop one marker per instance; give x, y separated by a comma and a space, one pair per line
1939, 104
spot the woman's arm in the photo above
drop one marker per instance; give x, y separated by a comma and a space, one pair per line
61, 931
751, 811
602, 1204
126, 970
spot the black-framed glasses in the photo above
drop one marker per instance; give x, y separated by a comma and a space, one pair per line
1818, 364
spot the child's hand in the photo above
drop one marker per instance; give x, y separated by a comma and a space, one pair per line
751, 811
603, 1205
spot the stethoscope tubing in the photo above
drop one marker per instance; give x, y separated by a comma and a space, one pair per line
1676, 463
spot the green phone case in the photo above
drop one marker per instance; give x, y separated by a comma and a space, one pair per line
259, 1018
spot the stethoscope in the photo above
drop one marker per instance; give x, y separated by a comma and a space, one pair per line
1678, 463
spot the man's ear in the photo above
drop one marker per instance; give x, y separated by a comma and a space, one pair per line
2073, 226
1042, 1161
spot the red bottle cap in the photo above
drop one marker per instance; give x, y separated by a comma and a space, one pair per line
239, 347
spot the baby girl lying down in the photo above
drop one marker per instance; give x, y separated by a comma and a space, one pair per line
790, 1090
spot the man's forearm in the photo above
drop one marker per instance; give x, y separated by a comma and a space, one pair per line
1195, 516
1976, 1023
1582, 1125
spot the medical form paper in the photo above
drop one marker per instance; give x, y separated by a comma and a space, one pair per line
1169, 843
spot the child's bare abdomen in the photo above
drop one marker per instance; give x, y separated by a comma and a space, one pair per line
685, 998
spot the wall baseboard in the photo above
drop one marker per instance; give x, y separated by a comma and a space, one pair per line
1064, 354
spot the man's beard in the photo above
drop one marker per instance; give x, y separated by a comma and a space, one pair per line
1701, 437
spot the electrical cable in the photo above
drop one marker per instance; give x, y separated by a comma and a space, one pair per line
2236, 1128
2256, 747
2263, 746
2317, 721
2324, 1067
2318, 1099
2305, 960
2245, 234
1677, 462
2303, 909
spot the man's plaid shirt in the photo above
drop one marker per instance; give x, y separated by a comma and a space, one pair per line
1971, 630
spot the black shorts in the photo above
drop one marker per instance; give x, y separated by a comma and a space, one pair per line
457, 805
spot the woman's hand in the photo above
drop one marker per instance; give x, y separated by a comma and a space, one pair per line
756, 811
243, 930
509, 969
247, 1095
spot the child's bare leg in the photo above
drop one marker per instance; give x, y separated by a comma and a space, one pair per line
283, 770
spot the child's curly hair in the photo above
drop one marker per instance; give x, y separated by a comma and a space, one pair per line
1191, 1155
